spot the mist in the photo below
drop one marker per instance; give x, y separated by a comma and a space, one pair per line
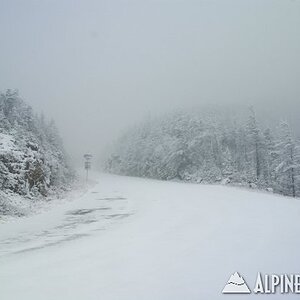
97, 67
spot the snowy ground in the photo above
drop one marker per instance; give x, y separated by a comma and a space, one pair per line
129, 238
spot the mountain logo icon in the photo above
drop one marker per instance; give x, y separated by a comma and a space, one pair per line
236, 285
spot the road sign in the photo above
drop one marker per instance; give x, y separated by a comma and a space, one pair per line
87, 164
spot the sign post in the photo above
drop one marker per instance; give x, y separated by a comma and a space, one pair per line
87, 164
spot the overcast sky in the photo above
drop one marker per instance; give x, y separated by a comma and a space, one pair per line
98, 66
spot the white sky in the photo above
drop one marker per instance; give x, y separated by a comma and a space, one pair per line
98, 66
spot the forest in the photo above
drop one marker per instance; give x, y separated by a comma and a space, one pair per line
33, 162
212, 146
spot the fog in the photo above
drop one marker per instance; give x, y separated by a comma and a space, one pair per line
97, 67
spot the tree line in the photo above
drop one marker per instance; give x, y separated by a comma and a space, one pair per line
33, 162
211, 146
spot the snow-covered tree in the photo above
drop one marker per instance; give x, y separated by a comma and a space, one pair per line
32, 159
210, 147
288, 165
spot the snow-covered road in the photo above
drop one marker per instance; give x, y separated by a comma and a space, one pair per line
130, 238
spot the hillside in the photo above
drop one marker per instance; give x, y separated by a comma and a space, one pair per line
212, 145
33, 163
140, 239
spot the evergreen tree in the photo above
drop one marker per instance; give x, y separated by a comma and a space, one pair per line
211, 147
289, 163
32, 159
